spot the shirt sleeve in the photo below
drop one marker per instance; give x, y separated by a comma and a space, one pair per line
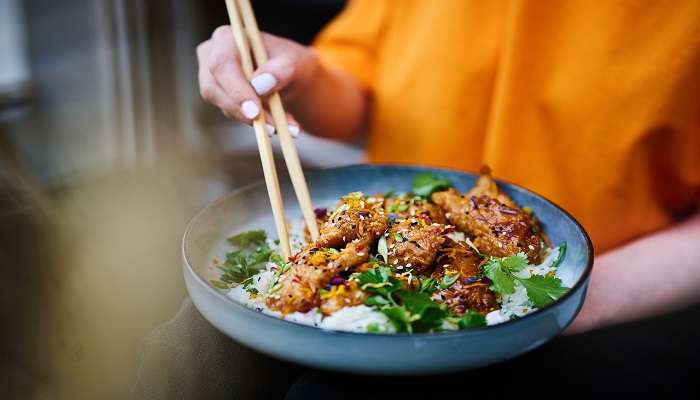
350, 42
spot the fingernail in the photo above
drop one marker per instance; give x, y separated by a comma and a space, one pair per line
249, 109
293, 130
263, 83
270, 129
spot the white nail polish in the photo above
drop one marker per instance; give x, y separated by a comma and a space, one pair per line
250, 109
263, 83
293, 130
270, 129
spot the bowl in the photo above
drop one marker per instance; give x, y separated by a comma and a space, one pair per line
363, 353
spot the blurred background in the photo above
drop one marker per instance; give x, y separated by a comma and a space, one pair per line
106, 151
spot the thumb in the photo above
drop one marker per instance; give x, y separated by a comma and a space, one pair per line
273, 76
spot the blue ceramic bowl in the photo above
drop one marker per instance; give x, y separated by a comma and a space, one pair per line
249, 208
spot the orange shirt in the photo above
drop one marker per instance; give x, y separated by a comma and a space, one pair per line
594, 104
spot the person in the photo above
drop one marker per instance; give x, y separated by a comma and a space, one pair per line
593, 105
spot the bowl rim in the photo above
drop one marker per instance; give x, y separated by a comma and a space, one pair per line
423, 335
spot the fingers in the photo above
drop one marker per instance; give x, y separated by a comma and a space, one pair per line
292, 126
223, 83
281, 69
209, 88
223, 66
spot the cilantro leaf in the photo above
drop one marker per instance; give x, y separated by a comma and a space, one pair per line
514, 263
373, 327
426, 315
380, 281
502, 282
471, 319
408, 310
377, 300
248, 239
428, 286
543, 290
399, 317
251, 256
424, 185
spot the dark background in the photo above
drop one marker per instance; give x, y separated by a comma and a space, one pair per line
107, 151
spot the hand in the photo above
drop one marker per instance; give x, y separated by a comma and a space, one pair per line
289, 69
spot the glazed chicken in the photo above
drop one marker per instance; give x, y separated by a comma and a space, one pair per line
352, 227
418, 243
354, 217
345, 294
498, 226
413, 243
461, 261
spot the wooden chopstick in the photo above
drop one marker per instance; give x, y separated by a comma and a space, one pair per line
291, 157
261, 135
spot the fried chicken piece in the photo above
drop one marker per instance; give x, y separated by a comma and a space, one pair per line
486, 186
462, 297
414, 243
355, 215
346, 294
499, 226
313, 267
406, 207
457, 258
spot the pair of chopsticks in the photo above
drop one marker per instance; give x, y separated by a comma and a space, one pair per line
247, 37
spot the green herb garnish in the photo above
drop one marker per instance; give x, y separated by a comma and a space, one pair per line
408, 311
248, 239
448, 280
424, 185
251, 256
560, 256
471, 319
382, 249
428, 286
541, 290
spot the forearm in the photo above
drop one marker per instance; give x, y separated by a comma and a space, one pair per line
651, 276
330, 104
